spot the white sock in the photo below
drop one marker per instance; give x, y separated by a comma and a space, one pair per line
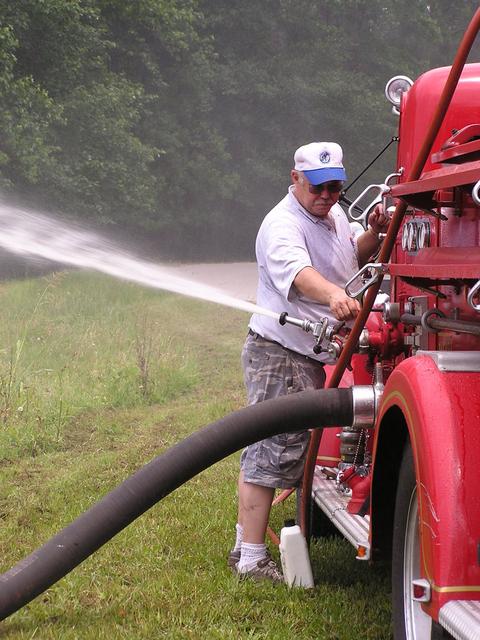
251, 554
238, 541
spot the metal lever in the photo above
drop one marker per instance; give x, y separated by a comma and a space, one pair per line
377, 267
382, 189
476, 287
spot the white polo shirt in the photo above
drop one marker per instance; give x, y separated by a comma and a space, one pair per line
290, 239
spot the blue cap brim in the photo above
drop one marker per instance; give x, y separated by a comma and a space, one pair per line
317, 176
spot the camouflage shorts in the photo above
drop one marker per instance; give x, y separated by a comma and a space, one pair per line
271, 371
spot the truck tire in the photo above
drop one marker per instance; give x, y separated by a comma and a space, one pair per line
410, 622
319, 526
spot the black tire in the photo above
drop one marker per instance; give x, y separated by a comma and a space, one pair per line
410, 622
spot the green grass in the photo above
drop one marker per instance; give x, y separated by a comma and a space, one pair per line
96, 378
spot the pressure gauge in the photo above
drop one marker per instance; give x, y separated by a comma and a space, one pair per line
411, 236
404, 237
423, 235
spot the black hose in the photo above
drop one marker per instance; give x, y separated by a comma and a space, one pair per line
298, 411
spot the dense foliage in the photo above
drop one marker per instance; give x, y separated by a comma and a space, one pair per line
179, 117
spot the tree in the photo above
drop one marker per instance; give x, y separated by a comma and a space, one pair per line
26, 115
180, 117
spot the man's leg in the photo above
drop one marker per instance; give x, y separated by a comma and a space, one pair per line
270, 371
264, 372
254, 504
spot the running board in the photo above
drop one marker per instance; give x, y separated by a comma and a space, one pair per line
334, 505
461, 618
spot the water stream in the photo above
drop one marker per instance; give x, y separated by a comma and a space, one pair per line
29, 233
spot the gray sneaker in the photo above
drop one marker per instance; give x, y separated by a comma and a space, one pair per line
233, 558
266, 569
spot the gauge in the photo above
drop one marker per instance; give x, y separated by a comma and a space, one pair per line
423, 235
404, 237
411, 236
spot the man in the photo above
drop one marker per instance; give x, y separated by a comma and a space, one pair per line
305, 254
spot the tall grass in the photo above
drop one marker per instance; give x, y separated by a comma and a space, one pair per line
96, 378
76, 344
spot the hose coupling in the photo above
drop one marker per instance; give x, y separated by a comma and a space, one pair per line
366, 400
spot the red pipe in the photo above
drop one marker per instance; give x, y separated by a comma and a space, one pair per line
386, 251
273, 536
286, 493
283, 496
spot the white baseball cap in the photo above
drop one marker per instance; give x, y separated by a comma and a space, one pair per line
320, 162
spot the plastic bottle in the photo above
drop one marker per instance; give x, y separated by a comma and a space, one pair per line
294, 556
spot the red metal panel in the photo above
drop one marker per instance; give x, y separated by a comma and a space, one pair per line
434, 271
461, 152
442, 413
449, 256
451, 175
420, 102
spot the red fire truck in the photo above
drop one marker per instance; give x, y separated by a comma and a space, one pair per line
402, 481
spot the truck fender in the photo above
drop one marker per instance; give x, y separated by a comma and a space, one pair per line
439, 412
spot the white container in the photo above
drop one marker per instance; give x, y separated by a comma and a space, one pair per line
295, 558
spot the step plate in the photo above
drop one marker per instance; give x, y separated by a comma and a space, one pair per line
334, 504
461, 618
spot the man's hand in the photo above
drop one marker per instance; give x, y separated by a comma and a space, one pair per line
313, 285
343, 307
378, 220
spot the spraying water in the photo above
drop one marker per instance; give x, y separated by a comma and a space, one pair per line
29, 233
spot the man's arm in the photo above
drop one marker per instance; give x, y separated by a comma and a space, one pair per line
369, 241
367, 244
313, 285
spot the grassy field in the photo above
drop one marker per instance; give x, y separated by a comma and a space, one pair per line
96, 378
